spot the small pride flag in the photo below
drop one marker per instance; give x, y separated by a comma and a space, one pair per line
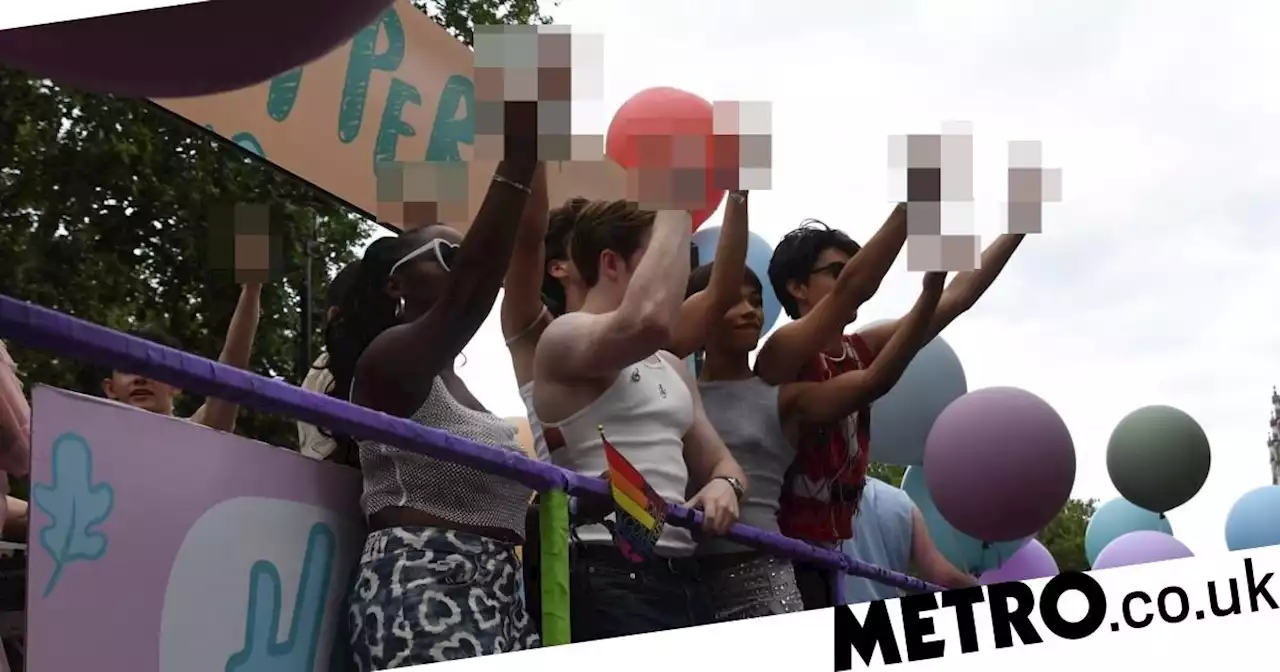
640, 513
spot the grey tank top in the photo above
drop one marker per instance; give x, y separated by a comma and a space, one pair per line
645, 414
882, 536
745, 415
463, 495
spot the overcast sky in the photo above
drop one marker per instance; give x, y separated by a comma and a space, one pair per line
1150, 284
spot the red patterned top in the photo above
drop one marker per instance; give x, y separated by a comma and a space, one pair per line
823, 486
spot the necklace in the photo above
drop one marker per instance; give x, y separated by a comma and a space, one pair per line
844, 354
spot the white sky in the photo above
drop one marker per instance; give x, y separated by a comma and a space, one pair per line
1150, 283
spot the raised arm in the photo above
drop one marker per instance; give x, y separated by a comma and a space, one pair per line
523, 315
961, 294
712, 469
236, 350
929, 561
795, 343
700, 311
406, 358
836, 398
586, 345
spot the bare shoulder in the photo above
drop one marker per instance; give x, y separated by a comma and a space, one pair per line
556, 344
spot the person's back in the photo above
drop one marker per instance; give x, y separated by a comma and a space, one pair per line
882, 536
313, 442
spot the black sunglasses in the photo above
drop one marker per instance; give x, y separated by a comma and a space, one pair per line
832, 269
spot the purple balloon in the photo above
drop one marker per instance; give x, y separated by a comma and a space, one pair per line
196, 49
1032, 561
999, 463
1140, 548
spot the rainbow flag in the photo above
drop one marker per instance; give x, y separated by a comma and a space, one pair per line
640, 514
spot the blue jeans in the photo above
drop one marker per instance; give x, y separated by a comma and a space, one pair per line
612, 597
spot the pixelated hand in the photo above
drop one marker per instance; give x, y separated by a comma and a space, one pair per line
262, 651
719, 505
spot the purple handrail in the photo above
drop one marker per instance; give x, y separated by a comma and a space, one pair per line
39, 327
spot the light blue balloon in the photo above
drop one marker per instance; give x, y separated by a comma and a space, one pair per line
759, 252
901, 419
966, 553
1254, 520
1117, 518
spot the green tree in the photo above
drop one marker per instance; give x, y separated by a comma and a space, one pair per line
1064, 535
460, 17
105, 210
888, 473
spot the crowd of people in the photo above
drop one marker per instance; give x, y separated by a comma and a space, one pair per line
600, 309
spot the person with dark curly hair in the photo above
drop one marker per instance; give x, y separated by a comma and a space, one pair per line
822, 277
439, 578
757, 421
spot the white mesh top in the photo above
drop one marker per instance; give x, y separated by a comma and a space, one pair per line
463, 495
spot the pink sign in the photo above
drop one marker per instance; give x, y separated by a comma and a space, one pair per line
160, 545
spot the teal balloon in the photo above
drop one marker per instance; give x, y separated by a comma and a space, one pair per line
966, 553
1117, 518
902, 418
1254, 521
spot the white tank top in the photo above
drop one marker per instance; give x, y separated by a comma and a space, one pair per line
645, 414
535, 425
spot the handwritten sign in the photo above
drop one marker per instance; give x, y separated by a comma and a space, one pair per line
400, 90
158, 545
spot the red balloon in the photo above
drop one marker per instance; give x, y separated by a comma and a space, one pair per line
196, 49
668, 128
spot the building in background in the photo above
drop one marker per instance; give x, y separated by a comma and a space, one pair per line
1273, 442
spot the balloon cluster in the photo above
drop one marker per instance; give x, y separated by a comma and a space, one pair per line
988, 469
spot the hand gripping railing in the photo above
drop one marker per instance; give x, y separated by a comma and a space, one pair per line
42, 328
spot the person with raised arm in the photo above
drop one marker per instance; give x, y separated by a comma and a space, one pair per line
600, 372
542, 283
822, 277
157, 397
889, 532
961, 294
756, 421
439, 578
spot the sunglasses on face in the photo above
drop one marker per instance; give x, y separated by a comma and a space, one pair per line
442, 252
832, 269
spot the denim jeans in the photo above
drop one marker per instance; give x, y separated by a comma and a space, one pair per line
613, 597
817, 585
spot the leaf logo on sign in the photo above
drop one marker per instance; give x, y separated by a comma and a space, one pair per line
76, 506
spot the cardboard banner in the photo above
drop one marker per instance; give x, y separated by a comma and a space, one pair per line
158, 545
400, 90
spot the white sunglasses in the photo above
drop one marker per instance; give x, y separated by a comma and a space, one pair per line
442, 250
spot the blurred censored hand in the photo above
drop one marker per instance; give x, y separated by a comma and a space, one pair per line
524, 90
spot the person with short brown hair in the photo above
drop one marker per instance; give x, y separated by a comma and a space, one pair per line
601, 372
